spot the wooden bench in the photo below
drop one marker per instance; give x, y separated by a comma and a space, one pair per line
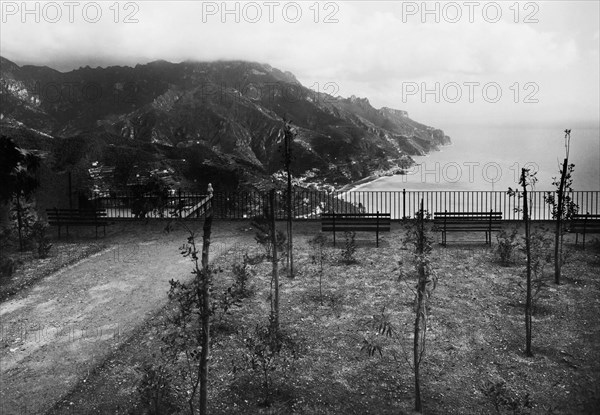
486, 222
77, 217
356, 222
584, 224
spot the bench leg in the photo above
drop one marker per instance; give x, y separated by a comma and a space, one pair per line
334, 237
377, 238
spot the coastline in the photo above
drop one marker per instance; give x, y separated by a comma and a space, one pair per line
380, 174
392, 171
351, 187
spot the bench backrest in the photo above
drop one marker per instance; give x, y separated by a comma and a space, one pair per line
470, 220
585, 223
75, 214
586, 216
356, 221
467, 216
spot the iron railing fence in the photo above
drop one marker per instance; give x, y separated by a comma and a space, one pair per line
131, 206
308, 205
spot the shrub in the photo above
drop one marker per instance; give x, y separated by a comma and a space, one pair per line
349, 250
38, 230
503, 396
541, 256
23, 216
507, 244
7, 267
318, 257
263, 237
155, 391
242, 274
267, 350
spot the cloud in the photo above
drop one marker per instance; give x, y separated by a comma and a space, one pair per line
369, 52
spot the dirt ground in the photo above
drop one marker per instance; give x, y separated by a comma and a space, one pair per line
54, 333
78, 341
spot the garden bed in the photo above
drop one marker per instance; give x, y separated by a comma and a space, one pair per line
475, 341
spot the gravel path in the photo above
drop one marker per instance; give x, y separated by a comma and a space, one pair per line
55, 333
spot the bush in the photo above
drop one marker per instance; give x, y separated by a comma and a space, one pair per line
503, 396
318, 257
7, 267
38, 231
541, 256
242, 274
155, 391
349, 250
23, 216
263, 237
507, 243
267, 351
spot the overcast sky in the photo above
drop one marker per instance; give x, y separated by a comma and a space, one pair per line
536, 63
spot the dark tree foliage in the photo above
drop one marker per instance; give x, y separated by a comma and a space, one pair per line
18, 170
148, 197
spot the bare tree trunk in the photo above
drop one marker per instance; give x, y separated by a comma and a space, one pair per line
275, 273
420, 311
205, 312
528, 302
289, 224
558, 232
417, 346
287, 143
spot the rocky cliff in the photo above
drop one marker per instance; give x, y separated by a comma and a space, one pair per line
204, 121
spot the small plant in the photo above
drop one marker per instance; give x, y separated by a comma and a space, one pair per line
242, 274
590, 393
7, 267
38, 230
318, 257
507, 244
563, 207
187, 337
264, 239
267, 351
156, 394
419, 242
528, 180
7, 264
23, 217
541, 257
225, 301
503, 396
349, 250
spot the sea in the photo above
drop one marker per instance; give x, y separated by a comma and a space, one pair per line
484, 158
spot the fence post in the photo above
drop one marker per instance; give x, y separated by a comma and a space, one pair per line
403, 204
196, 201
179, 204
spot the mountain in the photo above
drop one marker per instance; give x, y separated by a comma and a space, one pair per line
201, 122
